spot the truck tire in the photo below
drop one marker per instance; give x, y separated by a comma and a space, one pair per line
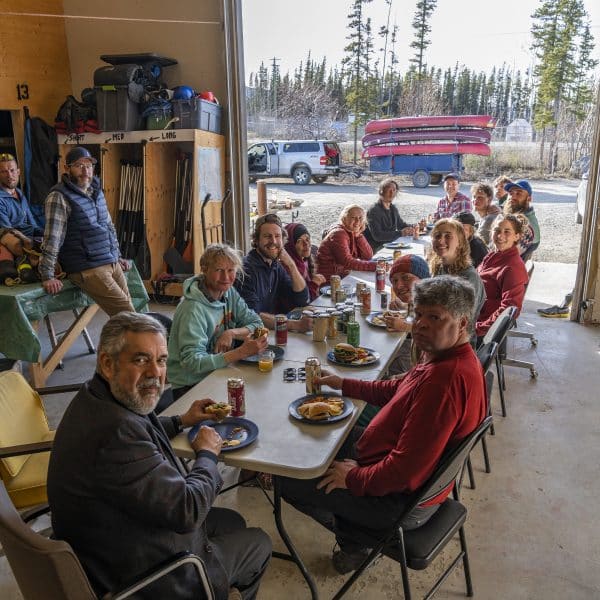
421, 179
436, 179
301, 175
319, 178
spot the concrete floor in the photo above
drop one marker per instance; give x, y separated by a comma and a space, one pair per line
532, 528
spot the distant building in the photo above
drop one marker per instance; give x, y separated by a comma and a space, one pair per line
519, 130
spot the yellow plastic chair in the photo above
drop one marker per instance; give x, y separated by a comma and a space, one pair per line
25, 439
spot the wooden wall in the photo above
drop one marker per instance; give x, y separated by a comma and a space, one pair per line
191, 31
33, 56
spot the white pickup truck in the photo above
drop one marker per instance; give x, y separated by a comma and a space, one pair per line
302, 160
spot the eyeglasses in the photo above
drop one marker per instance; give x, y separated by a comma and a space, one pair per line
5, 156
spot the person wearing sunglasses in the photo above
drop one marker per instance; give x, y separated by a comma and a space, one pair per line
270, 279
14, 207
80, 235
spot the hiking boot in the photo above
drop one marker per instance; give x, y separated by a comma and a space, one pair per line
554, 312
346, 562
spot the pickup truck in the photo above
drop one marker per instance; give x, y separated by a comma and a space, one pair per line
302, 160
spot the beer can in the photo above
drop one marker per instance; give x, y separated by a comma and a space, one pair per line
360, 286
335, 282
383, 298
332, 330
353, 333
340, 295
236, 396
380, 279
365, 299
397, 254
281, 330
312, 366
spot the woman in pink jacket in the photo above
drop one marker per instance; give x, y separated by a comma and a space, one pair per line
345, 248
502, 271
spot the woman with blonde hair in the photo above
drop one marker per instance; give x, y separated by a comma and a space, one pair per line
345, 247
209, 319
451, 255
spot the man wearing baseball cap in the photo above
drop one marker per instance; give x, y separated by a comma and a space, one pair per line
80, 235
454, 201
476, 244
520, 193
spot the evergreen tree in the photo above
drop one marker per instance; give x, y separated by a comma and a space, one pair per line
422, 29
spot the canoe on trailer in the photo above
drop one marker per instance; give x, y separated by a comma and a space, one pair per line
431, 121
432, 148
460, 134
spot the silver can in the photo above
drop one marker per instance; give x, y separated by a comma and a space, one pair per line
335, 282
313, 369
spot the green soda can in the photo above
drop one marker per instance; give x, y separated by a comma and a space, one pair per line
353, 333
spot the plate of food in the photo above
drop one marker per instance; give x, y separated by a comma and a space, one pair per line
236, 432
278, 351
397, 245
321, 408
349, 356
377, 319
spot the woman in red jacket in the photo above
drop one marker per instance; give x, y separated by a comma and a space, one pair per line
345, 248
502, 271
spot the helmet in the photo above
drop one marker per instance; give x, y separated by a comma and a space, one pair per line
183, 92
77, 153
208, 96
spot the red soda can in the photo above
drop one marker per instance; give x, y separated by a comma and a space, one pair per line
380, 279
281, 330
236, 396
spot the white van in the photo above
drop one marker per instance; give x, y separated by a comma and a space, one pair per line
302, 160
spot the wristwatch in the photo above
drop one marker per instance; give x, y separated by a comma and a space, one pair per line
177, 422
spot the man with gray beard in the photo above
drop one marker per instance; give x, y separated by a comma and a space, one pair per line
119, 495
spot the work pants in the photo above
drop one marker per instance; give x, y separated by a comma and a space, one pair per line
107, 286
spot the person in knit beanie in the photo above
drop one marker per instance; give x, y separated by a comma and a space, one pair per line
404, 272
299, 247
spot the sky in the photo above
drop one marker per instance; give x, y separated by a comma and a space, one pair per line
476, 33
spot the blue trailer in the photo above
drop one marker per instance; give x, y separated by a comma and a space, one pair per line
423, 168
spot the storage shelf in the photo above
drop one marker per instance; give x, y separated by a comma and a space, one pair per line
134, 137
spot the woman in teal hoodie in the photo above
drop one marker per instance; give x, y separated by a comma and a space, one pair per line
211, 316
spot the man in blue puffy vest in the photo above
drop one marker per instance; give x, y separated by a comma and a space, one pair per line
14, 208
80, 235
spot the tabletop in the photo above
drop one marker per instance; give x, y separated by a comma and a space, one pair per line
285, 445
22, 304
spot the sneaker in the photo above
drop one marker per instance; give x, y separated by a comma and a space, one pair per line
554, 312
346, 562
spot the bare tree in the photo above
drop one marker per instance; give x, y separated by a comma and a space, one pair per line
307, 112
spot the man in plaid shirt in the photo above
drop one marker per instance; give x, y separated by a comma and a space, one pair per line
453, 202
80, 235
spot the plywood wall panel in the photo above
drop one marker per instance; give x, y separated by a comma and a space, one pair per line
33, 53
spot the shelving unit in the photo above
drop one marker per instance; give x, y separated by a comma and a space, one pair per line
158, 151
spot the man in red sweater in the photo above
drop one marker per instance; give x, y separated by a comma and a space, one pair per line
437, 404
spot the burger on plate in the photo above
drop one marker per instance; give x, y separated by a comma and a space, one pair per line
345, 352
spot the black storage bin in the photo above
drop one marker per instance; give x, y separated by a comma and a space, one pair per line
116, 110
196, 113
118, 75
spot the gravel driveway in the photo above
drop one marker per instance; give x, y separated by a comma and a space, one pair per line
554, 202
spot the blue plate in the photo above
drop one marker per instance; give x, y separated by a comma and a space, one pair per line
366, 362
397, 245
230, 428
277, 350
347, 410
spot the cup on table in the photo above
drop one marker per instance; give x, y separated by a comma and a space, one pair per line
265, 361
320, 326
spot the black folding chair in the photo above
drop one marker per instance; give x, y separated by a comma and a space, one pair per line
497, 333
417, 548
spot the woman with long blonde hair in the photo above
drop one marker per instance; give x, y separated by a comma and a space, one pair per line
451, 255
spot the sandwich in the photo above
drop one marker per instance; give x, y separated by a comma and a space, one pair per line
259, 332
346, 353
219, 410
321, 408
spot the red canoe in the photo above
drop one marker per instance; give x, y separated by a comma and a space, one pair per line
431, 148
430, 121
459, 134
